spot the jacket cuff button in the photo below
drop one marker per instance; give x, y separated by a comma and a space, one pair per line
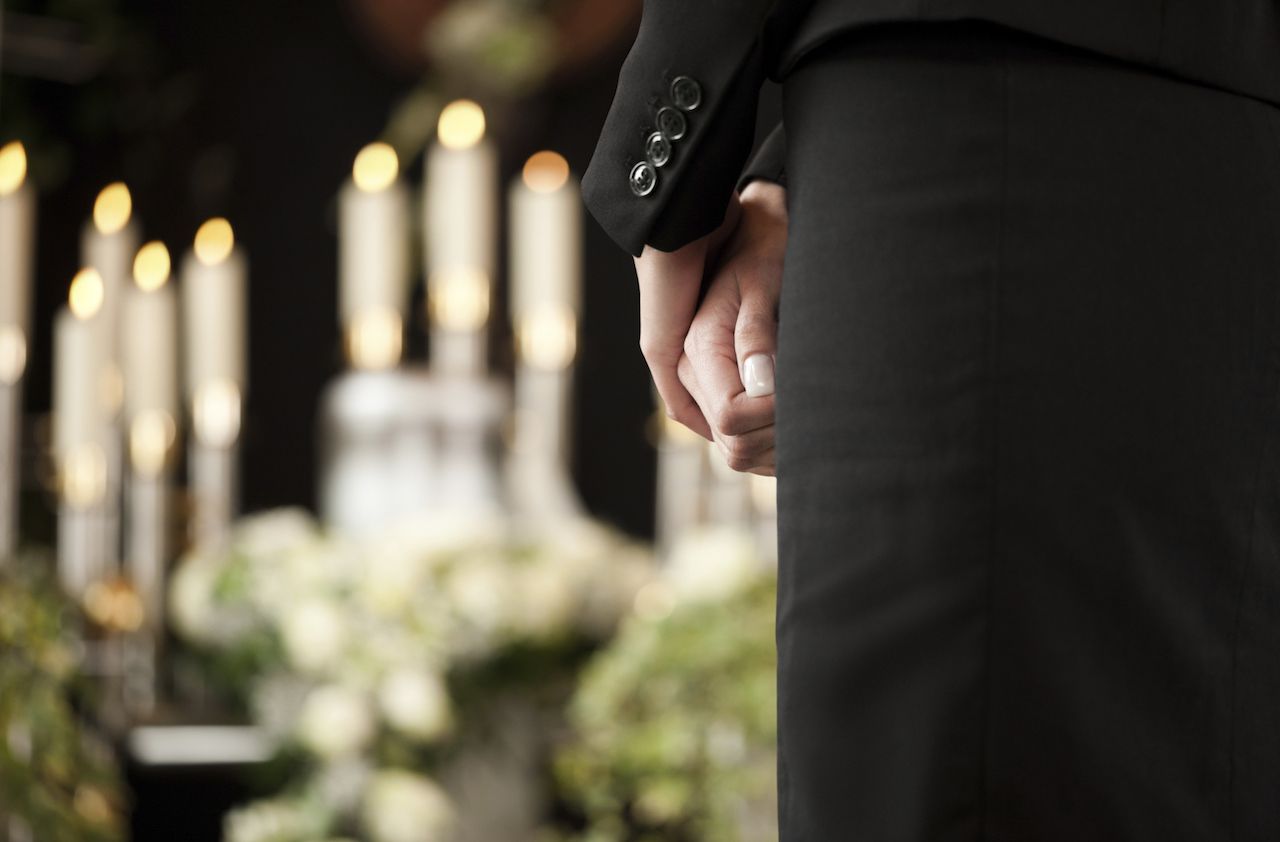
671, 123
643, 178
657, 149
686, 93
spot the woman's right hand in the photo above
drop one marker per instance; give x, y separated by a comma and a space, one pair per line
728, 360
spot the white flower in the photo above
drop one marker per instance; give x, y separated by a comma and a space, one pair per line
273, 820
341, 784
400, 806
194, 607
543, 599
274, 533
415, 702
315, 634
191, 592
478, 589
712, 563
336, 721
391, 577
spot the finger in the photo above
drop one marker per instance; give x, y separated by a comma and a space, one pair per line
756, 338
744, 452
765, 460
669, 284
725, 403
681, 405
685, 373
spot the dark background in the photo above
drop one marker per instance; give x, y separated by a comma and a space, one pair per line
254, 109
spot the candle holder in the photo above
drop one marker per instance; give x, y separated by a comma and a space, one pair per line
82, 547
471, 412
539, 477
151, 439
378, 448
680, 500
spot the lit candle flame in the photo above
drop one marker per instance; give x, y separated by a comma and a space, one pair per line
13, 167
458, 299
547, 338
112, 209
151, 435
461, 124
216, 413
13, 354
214, 241
87, 291
84, 476
376, 168
375, 340
546, 172
151, 266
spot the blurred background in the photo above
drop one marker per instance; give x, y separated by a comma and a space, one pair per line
278, 579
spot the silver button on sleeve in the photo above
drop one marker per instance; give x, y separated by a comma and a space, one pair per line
686, 93
643, 178
671, 123
657, 149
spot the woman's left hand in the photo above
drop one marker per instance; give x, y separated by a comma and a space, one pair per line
670, 283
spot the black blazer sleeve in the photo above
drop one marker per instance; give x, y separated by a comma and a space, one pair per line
770, 161
683, 118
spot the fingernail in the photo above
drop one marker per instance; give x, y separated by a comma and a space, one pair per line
757, 375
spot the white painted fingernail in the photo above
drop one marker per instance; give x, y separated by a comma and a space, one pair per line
757, 375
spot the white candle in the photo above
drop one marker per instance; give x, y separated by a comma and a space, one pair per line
546, 230
149, 354
546, 272
78, 400
213, 324
373, 251
17, 230
461, 224
108, 243
546, 261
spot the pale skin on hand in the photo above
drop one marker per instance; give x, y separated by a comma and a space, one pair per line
698, 352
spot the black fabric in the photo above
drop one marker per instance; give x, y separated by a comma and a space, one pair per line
770, 160
732, 46
1028, 403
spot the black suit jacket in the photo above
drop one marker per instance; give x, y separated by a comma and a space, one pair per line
727, 48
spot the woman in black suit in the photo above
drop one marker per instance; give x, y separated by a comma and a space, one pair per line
1024, 261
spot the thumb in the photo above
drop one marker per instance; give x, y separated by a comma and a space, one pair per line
755, 339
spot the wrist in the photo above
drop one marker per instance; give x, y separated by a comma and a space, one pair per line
766, 195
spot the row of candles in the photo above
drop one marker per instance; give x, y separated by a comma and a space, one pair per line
117, 342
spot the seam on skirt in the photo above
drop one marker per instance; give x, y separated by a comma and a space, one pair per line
1265, 448
990, 359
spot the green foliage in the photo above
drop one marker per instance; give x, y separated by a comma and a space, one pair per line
56, 776
675, 726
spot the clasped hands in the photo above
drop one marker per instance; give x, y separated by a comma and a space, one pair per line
712, 360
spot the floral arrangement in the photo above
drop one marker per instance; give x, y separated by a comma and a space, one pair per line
58, 779
504, 46
412, 682
675, 723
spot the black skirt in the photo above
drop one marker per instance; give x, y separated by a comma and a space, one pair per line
1029, 483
